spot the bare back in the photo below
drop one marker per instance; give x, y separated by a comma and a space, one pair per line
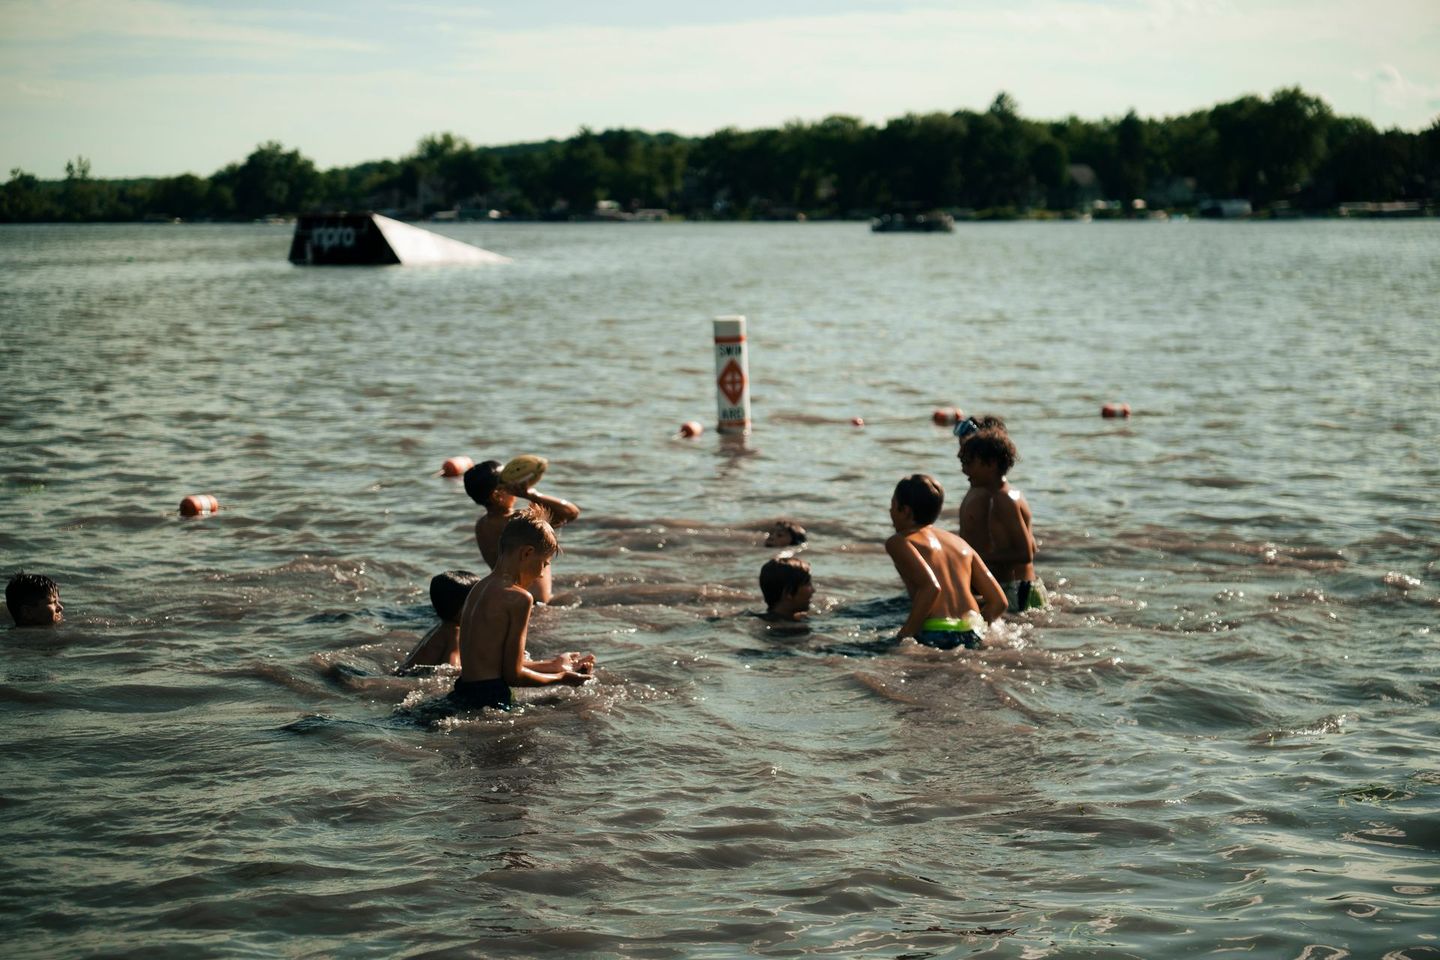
1011, 553
950, 559
975, 519
492, 629
944, 577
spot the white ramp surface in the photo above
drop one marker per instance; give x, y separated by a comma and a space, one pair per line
413, 245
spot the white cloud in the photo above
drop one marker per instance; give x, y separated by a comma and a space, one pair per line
87, 21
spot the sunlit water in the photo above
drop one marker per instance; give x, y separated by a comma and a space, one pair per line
1222, 738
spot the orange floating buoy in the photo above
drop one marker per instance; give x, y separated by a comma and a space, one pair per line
947, 418
691, 428
857, 421
199, 505
1111, 410
456, 466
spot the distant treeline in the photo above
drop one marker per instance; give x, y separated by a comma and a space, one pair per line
1289, 152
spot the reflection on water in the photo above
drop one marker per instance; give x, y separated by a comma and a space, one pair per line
1219, 737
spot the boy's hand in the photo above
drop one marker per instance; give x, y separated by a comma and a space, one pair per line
582, 662
573, 679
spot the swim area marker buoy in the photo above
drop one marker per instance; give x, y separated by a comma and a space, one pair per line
1111, 410
199, 505
691, 428
456, 466
942, 417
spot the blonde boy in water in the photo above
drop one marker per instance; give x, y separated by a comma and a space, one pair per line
952, 594
496, 618
1001, 520
483, 484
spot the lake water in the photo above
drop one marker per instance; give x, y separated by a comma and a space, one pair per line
1221, 738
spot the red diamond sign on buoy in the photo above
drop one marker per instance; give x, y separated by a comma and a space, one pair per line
732, 382
732, 375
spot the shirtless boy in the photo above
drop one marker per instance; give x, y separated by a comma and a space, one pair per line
33, 600
975, 505
785, 533
441, 645
496, 617
482, 482
952, 594
785, 584
1008, 540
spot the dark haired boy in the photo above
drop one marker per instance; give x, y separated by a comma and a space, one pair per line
975, 505
33, 600
496, 618
952, 594
1008, 539
785, 533
785, 584
482, 483
441, 645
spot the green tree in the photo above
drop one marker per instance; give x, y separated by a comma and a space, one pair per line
24, 199
272, 181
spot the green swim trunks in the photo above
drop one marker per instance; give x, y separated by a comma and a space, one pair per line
947, 633
1024, 595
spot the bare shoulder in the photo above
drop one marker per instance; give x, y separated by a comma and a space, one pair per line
517, 598
950, 540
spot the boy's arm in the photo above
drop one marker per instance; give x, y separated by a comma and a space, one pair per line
919, 579
985, 590
561, 511
520, 671
429, 651
1012, 545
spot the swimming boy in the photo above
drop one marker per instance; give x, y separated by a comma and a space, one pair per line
952, 594
785, 533
496, 617
482, 482
441, 645
785, 584
33, 600
986, 456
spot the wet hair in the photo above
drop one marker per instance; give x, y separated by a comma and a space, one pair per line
797, 532
992, 446
530, 528
481, 481
448, 591
970, 425
28, 589
780, 576
924, 496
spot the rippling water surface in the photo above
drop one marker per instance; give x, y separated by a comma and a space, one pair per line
1222, 738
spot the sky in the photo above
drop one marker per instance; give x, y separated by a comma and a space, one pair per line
164, 87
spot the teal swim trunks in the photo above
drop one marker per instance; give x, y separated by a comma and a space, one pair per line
1024, 595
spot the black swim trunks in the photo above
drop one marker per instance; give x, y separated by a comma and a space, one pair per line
948, 640
478, 694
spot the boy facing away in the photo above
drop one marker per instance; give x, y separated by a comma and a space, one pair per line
441, 645
952, 594
785, 584
33, 600
482, 482
496, 617
1002, 521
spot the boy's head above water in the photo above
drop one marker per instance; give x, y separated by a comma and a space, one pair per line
987, 451
529, 541
918, 498
448, 591
33, 600
785, 584
785, 533
482, 483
